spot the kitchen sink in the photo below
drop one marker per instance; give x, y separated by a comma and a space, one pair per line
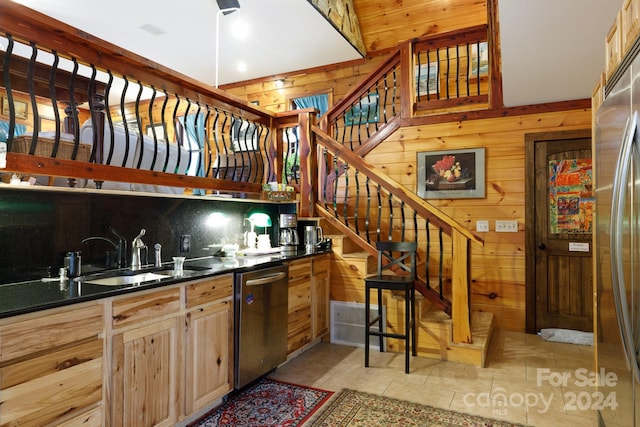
130, 279
173, 273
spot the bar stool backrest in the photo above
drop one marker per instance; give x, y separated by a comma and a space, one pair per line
397, 256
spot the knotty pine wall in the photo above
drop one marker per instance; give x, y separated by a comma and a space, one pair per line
498, 268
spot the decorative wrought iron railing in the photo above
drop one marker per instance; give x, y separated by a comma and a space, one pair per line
452, 71
74, 98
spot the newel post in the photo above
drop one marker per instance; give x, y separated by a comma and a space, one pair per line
461, 307
308, 164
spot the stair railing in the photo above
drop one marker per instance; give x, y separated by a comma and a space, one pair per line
429, 75
370, 206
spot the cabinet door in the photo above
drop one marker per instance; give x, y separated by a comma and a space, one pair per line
146, 375
208, 362
299, 319
320, 296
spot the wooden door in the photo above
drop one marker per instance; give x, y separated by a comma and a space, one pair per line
560, 203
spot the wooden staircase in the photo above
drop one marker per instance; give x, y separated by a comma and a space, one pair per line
349, 266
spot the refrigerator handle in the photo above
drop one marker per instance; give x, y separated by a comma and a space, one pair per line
621, 176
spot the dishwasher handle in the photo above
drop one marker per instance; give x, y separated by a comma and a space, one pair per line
266, 279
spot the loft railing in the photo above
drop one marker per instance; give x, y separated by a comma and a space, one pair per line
451, 71
432, 74
72, 99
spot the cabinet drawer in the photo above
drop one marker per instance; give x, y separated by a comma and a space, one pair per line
321, 264
40, 390
145, 306
52, 329
209, 290
299, 270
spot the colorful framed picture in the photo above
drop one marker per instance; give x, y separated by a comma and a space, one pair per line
451, 174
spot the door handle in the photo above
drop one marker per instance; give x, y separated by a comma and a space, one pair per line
266, 279
542, 246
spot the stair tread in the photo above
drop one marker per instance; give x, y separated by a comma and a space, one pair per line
481, 328
362, 254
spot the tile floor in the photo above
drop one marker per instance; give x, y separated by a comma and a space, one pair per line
516, 385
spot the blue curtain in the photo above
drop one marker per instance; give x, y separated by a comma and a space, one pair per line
195, 136
18, 130
320, 102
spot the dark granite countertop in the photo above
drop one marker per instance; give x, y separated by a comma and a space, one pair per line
27, 297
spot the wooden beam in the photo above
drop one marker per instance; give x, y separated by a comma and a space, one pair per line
36, 165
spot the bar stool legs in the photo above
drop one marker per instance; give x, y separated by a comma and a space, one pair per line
409, 335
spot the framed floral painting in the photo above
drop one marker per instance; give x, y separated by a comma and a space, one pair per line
451, 174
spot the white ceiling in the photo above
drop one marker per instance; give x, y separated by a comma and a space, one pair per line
552, 50
283, 35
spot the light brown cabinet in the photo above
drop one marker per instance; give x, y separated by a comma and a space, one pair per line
209, 341
171, 351
51, 367
299, 310
308, 301
146, 359
320, 295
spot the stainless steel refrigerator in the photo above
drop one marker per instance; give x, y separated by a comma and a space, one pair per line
617, 242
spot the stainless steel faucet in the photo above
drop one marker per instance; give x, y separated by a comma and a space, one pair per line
136, 251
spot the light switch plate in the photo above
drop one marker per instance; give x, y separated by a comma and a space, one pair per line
482, 226
507, 226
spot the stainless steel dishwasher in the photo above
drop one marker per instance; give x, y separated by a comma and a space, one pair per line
260, 339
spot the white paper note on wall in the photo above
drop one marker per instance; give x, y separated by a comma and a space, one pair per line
578, 247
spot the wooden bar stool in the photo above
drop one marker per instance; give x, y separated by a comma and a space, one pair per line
392, 256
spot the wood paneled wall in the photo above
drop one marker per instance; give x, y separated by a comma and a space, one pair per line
498, 268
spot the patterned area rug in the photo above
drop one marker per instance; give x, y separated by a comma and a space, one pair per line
267, 403
351, 408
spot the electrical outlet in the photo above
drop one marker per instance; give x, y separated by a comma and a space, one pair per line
185, 243
507, 226
482, 226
